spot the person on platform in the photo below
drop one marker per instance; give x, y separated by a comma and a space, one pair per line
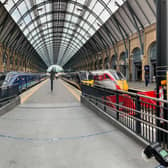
146, 69
146, 79
52, 77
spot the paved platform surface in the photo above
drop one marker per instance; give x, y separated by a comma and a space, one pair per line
141, 86
53, 130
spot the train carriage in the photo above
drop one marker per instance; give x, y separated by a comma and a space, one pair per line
20, 79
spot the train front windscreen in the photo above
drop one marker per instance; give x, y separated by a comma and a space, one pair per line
5, 79
117, 75
83, 76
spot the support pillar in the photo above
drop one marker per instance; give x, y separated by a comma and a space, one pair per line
22, 67
13, 65
8, 60
162, 40
162, 55
1, 59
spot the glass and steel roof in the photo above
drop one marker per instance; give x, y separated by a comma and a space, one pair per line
133, 16
57, 29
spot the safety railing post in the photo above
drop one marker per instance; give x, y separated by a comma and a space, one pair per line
96, 101
0, 93
104, 103
138, 115
82, 89
165, 116
117, 105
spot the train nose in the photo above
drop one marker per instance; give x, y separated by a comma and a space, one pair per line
123, 85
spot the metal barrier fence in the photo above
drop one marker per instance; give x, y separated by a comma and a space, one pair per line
7, 93
145, 116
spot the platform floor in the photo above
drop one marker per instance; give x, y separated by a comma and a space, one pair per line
141, 86
53, 130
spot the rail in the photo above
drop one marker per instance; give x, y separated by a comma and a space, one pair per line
145, 116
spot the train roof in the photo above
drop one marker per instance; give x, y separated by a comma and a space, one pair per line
20, 73
103, 71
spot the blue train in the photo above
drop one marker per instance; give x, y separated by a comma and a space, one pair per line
20, 79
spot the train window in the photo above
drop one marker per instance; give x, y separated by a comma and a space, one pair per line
120, 75
106, 76
117, 75
16, 80
90, 77
83, 76
9, 77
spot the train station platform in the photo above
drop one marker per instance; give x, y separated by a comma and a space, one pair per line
54, 130
141, 86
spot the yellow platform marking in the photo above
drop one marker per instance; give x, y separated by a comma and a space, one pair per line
72, 91
27, 94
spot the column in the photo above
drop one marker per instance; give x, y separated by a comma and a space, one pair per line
8, 60
1, 58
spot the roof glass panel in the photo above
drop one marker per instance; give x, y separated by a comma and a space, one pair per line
8, 5
16, 15
92, 4
98, 8
27, 19
22, 8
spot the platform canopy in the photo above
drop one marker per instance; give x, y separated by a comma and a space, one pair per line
57, 29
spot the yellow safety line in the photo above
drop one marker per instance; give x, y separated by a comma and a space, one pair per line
26, 95
72, 91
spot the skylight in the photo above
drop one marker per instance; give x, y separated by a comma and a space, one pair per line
57, 30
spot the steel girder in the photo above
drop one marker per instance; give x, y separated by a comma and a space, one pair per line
121, 28
9, 33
